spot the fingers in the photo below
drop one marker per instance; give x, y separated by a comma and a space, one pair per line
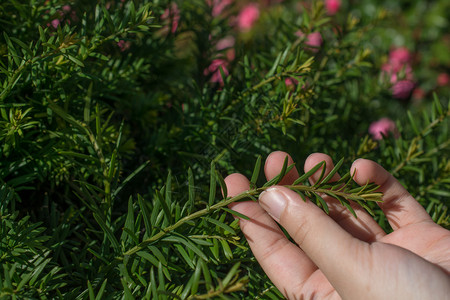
398, 205
316, 158
363, 227
236, 184
273, 165
269, 245
327, 244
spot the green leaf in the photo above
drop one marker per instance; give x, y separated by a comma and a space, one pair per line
274, 66
222, 184
161, 257
12, 50
345, 203
302, 195
284, 170
107, 231
126, 290
191, 190
22, 45
168, 190
185, 255
322, 203
437, 104
38, 270
235, 213
75, 60
231, 274
164, 206
206, 274
212, 184
322, 174
129, 222
145, 214
220, 224
331, 174
226, 249
185, 241
79, 155
128, 179
87, 105
196, 278
153, 283
91, 291
309, 173
101, 290
413, 123
148, 257
255, 173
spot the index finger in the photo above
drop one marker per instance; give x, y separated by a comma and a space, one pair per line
284, 263
398, 205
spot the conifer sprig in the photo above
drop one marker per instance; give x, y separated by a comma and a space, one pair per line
343, 190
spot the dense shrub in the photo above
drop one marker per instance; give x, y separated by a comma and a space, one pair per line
120, 118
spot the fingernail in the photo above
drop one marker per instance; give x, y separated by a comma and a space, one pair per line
273, 201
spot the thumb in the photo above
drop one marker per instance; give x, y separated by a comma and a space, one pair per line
338, 254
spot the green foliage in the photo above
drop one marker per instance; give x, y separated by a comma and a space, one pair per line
114, 139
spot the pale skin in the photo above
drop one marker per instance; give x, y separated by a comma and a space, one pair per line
338, 256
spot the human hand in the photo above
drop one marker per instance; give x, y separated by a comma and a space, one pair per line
340, 256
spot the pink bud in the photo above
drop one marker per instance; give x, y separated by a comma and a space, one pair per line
382, 127
332, 6
314, 40
218, 6
55, 23
399, 56
290, 81
248, 16
123, 45
172, 14
225, 43
443, 79
214, 69
395, 71
402, 89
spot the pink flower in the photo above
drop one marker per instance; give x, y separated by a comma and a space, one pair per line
65, 14
227, 44
123, 45
55, 23
443, 79
392, 71
171, 14
399, 56
382, 127
314, 39
290, 82
332, 6
214, 69
399, 72
218, 6
402, 89
248, 16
